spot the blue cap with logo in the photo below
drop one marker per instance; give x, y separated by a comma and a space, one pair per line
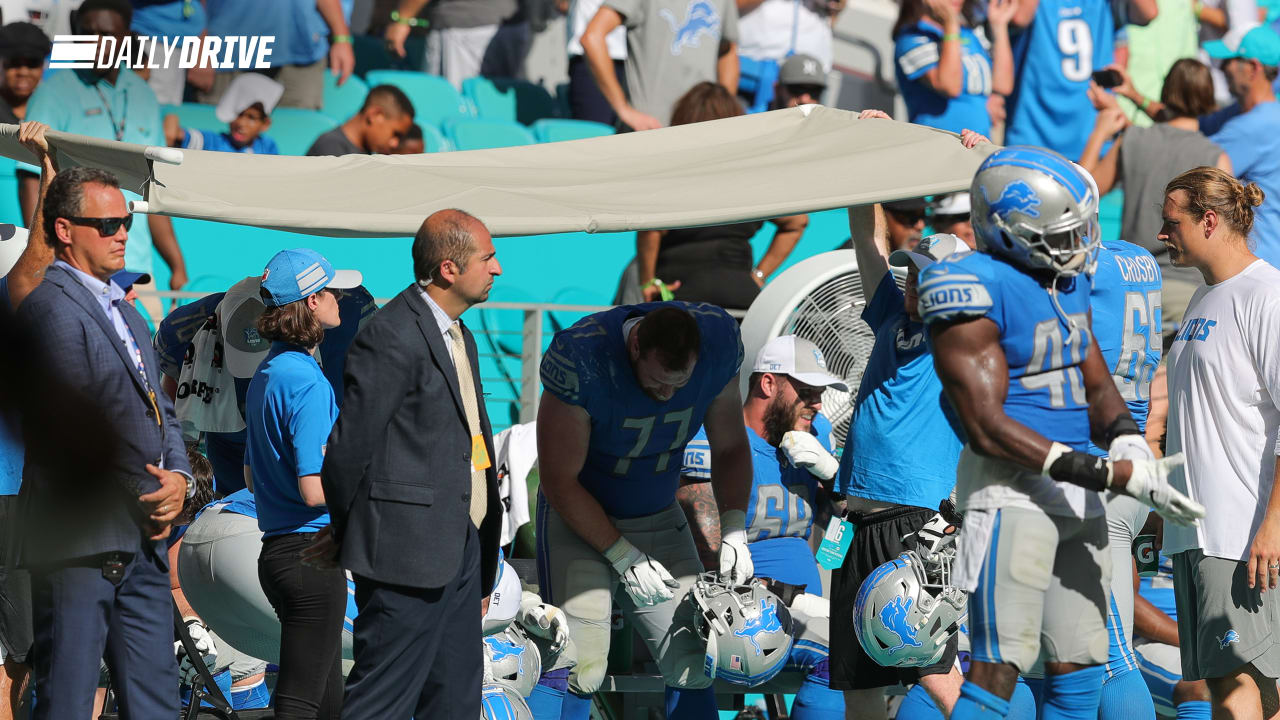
293, 275
1257, 42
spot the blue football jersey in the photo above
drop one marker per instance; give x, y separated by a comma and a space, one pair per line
1043, 345
1054, 58
637, 443
916, 51
1126, 322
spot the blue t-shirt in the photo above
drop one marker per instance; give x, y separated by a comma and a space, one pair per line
779, 511
1054, 59
289, 413
1251, 141
904, 441
12, 451
167, 18
302, 37
1126, 322
1043, 349
221, 142
916, 51
637, 443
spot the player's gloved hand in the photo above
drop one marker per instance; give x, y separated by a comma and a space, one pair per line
1149, 482
1130, 447
804, 450
544, 620
936, 534
203, 641
735, 558
645, 580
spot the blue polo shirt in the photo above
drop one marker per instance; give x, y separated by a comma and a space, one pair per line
289, 411
301, 35
1251, 141
168, 18
77, 101
904, 441
221, 142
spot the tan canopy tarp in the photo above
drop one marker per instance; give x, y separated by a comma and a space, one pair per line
746, 168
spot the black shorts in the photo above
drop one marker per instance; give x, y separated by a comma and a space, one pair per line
15, 586
876, 540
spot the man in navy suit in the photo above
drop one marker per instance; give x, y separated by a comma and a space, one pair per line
100, 583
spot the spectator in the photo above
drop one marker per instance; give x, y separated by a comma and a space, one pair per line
1152, 50
305, 31
904, 222
289, 412
712, 264
1224, 400
1247, 129
1057, 44
1144, 160
378, 127
801, 81
946, 69
112, 104
466, 38
246, 106
413, 143
773, 31
29, 267
23, 49
586, 102
94, 548
671, 46
951, 217
1216, 19
171, 20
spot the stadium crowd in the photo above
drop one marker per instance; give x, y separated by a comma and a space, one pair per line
1054, 498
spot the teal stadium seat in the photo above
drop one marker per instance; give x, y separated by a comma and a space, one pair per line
294, 129
434, 100
509, 99
556, 129
341, 102
10, 211
480, 134
195, 116
434, 140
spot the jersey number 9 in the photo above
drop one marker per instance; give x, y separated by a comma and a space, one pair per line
1075, 41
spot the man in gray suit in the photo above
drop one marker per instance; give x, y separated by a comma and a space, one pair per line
100, 580
411, 486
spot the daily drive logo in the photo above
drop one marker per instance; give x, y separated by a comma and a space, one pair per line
103, 52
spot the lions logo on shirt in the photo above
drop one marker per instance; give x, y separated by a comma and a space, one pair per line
700, 19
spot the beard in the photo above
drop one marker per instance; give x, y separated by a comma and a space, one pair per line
779, 419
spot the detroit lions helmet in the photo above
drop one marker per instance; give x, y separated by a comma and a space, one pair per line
746, 627
504, 601
906, 611
510, 658
499, 701
1034, 207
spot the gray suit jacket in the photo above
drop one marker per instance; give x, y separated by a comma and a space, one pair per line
397, 471
78, 344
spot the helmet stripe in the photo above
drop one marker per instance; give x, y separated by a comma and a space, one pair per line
1047, 162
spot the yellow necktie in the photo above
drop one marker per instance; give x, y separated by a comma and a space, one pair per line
467, 386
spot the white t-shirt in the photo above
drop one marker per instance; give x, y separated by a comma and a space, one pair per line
774, 28
580, 14
1224, 409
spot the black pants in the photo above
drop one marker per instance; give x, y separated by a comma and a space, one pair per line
586, 102
311, 605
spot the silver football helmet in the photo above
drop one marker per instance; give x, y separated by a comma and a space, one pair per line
906, 610
1036, 209
499, 701
746, 627
510, 658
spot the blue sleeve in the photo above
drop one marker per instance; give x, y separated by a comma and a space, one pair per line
697, 457
1239, 140
915, 53
310, 422
885, 303
560, 370
948, 292
268, 146
1210, 124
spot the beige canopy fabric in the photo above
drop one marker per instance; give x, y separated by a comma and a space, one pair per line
746, 168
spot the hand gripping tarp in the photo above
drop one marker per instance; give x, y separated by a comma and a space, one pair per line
745, 168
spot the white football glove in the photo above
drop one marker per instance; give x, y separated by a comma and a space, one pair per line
645, 580
545, 621
804, 450
1149, 482
203, 641
1130, 447
735, 558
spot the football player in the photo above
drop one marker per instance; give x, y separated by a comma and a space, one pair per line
625, 390
1012, 345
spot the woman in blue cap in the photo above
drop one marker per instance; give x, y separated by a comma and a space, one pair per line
289, 410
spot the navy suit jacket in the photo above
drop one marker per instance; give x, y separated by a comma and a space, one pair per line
397, 471
78, 344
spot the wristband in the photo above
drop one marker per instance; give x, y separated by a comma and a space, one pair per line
950, 36
1145, 102
1122, 425
1078, 468
396, 17
663, 292
339, 39
618, 553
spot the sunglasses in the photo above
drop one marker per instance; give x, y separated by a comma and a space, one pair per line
33, 63
107, 227
908, 217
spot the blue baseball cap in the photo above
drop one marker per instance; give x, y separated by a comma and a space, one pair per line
1259, 43
296, 274
125, 279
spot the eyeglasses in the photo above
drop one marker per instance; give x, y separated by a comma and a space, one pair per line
107, 227
908, 217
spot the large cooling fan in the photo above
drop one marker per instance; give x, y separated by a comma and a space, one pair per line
819, 299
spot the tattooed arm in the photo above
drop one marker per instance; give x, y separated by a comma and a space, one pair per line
699, 504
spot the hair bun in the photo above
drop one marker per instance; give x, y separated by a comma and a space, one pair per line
1253, 195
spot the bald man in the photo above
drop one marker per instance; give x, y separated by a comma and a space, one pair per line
411, 486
